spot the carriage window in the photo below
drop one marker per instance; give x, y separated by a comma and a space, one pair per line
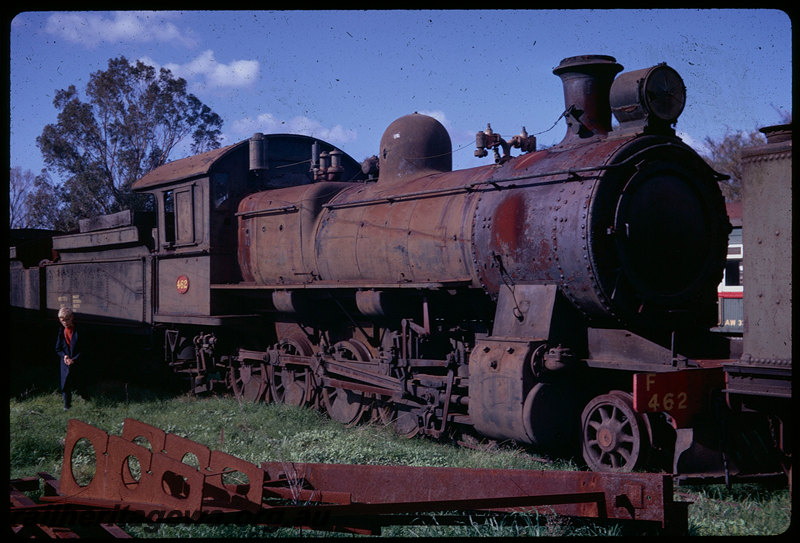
169, 217
733, 272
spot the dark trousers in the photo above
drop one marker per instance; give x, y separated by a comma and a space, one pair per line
71, 382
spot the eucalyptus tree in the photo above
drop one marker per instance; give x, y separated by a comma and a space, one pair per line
133, 117
724, 155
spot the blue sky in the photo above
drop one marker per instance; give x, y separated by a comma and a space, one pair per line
343, 76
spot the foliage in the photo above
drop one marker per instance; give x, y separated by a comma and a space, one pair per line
133, 118
725, 157
20, 184
51, 206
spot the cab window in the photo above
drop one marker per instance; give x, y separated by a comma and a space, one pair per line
179, 216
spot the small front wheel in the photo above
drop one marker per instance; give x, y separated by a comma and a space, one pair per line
614, 437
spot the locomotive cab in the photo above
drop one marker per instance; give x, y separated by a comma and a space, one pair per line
197, 200
197, 300
195, 232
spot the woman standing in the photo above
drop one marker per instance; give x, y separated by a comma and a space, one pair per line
68, 348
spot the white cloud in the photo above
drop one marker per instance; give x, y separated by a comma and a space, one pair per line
91, 29
269, 124
213, 74
205, 73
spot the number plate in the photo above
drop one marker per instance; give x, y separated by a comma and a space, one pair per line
680, 393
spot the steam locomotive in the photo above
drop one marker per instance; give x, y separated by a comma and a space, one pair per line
561, 298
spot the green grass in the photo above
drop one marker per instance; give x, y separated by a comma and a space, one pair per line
258, 432
741, 510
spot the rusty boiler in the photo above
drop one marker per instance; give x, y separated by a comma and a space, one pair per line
627, 223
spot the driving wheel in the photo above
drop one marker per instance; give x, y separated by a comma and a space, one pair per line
290, 383
406, 421
249, 381
343, 405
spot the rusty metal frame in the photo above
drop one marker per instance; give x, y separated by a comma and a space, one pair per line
353, 498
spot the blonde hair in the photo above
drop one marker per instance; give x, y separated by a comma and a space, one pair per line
65, 313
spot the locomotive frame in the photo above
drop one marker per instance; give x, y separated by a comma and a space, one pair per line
525, 300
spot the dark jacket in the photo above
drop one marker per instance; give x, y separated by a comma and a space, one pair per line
73, 350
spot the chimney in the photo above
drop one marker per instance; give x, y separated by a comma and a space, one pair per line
587, 82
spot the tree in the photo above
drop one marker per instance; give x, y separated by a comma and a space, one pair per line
133, 119
50, 206
725, 157
20, 184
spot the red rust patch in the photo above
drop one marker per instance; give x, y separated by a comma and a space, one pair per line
508, 223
